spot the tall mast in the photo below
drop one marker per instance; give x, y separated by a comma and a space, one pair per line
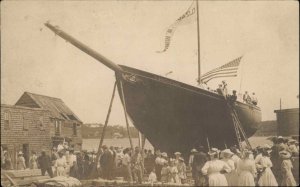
198, 38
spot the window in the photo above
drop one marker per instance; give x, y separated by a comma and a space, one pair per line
6, 120
25, 124
40, 123
74, 129
57, 127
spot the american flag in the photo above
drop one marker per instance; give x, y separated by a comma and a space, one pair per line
187, 17
227, 70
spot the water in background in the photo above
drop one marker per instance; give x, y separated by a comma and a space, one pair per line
92, 144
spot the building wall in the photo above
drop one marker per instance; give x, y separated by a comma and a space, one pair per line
27, 126
67, 130
288, 122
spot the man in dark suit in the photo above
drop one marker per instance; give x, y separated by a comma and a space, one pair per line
198, 162
45, 164
106, 163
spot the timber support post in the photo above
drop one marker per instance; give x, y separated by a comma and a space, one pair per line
125, 112
104, 129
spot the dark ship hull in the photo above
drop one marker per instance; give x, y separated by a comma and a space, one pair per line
175, 116
172, 115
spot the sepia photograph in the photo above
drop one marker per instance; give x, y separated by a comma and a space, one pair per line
149, 93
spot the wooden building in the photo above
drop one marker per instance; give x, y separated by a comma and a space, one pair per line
24, 129
288, 122
38, 122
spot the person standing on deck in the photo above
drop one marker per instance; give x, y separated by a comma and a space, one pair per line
220, 90
33, 161
225, 91
45, 164
215, 169
21, 161
246, 170
254, 99
199, 159
246, 98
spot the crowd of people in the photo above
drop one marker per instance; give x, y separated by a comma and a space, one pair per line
263, 166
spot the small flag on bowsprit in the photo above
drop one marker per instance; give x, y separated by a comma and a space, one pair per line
185, 18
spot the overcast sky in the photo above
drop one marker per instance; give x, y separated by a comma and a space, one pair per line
33, 59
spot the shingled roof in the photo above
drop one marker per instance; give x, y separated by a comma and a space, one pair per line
56, 106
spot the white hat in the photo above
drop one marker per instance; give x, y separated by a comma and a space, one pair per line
284, 154
20, 153
227, 151
280, 137
164, 154
213, 151
292, 141
267, 146
177, 153
193, 151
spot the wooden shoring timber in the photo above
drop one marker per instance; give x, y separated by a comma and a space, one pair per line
104, 129
125, 112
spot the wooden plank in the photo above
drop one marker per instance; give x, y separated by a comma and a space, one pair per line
10, 179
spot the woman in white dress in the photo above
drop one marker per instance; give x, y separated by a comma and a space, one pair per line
33, 161
267, 177
246, 170
181, 170
215, 169
60, 165
286, 169
231, 176
21, 161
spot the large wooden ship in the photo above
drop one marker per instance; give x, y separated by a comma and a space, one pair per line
172, 115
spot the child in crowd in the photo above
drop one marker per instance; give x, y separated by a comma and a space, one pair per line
152, 177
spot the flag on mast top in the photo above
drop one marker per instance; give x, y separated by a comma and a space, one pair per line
187, 17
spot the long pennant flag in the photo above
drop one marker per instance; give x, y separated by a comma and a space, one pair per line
227, 70
185, 18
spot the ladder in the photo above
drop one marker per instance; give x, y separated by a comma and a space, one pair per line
238, 128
